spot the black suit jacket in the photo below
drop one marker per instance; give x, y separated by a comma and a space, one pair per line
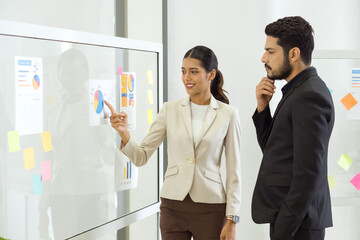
292, 188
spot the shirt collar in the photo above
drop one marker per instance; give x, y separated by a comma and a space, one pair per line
292, 82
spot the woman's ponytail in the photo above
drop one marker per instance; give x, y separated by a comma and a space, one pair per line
216, 88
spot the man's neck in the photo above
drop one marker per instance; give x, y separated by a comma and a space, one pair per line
296, 70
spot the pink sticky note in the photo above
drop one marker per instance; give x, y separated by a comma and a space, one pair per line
119, 70
45, 171
356, 181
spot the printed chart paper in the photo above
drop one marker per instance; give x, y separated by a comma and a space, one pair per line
354, 112
129, 175
100, 90
29, 95
128, 97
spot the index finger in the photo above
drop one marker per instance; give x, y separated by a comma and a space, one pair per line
112, 109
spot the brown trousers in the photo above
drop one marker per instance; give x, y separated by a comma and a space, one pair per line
181, 220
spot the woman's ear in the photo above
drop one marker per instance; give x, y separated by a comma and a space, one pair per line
212, 75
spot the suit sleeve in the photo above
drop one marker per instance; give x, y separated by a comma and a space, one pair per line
262, 122
311, 119
233, 171
140, 154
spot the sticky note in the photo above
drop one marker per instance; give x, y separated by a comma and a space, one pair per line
50, 100
37, 184
332, 182
356, 181
45, 171
46, 140
345, 161
150, 116
348, 101
150, 96
150, 78
119, 70
29, 158
14, 142
330, 90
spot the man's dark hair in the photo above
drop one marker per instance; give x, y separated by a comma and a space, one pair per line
293, 32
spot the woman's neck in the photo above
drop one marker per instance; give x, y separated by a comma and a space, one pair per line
201, 99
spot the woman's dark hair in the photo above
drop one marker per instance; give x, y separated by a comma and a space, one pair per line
293, 32
209, 61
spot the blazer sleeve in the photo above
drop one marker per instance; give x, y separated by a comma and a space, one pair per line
233, 171
312, 116
262, 122
140, 154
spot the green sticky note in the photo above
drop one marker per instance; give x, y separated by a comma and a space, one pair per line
14, 142
332, 182
345, 161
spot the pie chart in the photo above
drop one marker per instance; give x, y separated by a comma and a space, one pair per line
98, 102
36, 82
131, 83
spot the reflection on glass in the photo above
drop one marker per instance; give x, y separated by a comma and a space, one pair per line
79, 178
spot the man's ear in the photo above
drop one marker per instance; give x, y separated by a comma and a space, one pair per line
294, 55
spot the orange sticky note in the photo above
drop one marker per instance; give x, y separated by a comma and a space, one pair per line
348, 101
29, 158
46, 140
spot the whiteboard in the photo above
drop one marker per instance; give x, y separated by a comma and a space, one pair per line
63, 176
335, 68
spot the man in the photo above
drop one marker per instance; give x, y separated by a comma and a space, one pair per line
291, 191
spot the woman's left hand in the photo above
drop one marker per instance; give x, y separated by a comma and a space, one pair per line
228, 231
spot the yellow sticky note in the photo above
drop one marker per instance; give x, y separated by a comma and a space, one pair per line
348, 101
29, 158
150, 96
345, 161
332, 182
150, 116
14, 142
148, 130
150, 78
46, 140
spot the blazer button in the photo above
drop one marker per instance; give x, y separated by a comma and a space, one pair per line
191, 160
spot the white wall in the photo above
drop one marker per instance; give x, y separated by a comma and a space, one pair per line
80, 15
235, 31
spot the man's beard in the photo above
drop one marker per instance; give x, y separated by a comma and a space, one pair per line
284, 72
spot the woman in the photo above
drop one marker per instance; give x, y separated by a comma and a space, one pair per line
198, 127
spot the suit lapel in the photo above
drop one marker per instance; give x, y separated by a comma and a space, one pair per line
186, 115
304, 75
209, 119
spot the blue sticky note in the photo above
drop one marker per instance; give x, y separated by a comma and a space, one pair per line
37, 184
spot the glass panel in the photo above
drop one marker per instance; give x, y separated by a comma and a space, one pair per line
90, 180
345, 137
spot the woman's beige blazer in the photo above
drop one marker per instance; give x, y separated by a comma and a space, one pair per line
195, 170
